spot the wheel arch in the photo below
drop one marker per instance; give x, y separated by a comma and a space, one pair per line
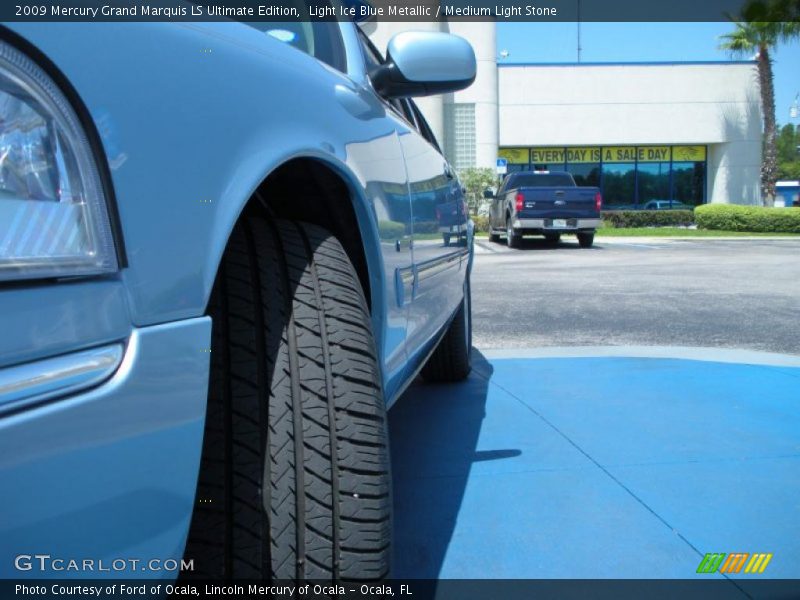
345, 202
332, 197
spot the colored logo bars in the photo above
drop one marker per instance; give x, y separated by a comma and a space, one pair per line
733, 563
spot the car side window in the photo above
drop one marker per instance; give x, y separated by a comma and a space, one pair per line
501, 190
372, 56
320, 39
408, 112
373, 60
423, 127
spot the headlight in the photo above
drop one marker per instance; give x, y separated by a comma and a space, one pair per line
53, 217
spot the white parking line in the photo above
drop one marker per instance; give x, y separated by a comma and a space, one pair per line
647, 246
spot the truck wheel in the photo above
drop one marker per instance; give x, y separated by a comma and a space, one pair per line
512, 238
451, 359
586, 239
294, 477
552, 238
494, 237
446, 239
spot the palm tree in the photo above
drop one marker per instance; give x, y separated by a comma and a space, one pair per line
760, 37
763, 24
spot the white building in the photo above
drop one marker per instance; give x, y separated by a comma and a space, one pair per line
686, 131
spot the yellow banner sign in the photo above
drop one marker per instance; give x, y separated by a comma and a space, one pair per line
583, 155
619, 154
688, 153
547, 156
517, 156
652, 153
554, 156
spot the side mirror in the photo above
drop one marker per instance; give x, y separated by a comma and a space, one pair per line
422, 63
488, 193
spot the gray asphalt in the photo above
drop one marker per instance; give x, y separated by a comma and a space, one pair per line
711, 293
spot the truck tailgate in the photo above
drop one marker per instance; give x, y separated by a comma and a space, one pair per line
558, 202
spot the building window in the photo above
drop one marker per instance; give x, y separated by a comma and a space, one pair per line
652, 183
587, 174
630, 177
459, 135
619, 186
688, 182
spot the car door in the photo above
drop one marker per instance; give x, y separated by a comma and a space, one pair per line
497, 217
380, 162
439, 229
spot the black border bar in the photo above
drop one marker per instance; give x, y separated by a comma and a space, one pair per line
703, 587
383, 10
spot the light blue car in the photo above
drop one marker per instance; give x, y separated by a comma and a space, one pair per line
220, 264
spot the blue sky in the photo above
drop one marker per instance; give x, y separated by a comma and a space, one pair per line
635, 42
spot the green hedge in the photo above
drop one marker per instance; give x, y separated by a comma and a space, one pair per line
390, 230
758, 219
481, 224
426, 227
647, 218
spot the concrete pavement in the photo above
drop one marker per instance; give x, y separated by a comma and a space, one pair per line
687, 292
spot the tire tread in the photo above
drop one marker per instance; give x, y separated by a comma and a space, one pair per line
295, 402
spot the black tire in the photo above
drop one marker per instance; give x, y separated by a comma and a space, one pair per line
451, 360
446, 239
552, 238
586, 239
494, 237
294, 479
513, 239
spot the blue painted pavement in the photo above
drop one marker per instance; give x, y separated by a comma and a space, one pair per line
597, 467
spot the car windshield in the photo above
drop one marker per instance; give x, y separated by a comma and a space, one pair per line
542, 180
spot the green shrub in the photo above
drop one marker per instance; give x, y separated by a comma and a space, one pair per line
391, 230
481, 224
426, 227
647, 218
475, 181
758, 219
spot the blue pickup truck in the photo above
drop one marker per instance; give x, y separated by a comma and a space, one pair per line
544, 203
209, 296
